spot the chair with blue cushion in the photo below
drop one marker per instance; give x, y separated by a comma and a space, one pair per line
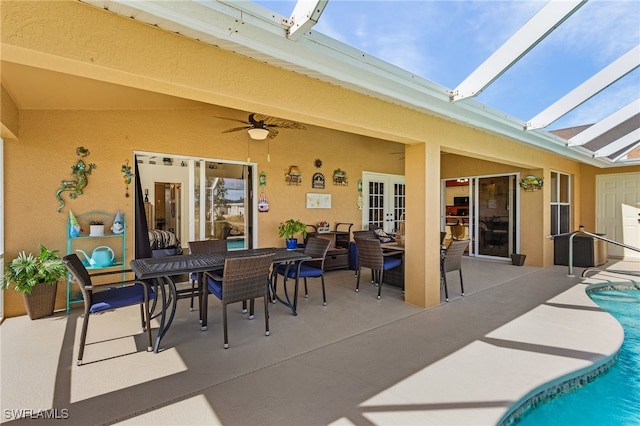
370, 255
317, 249
245, 278
202, 247
111, 296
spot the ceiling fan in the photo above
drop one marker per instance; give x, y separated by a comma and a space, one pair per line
262, 126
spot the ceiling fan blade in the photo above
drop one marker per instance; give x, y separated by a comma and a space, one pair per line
273, 132
233, 119
237, 129
277, 122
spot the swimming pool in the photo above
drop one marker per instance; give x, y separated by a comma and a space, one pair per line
614, 397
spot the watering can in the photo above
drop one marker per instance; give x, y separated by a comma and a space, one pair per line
100, 257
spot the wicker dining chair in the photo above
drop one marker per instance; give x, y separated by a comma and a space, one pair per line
111, 296
364, 235
317, 249
452, 261
245, 278
202, 247
370, 255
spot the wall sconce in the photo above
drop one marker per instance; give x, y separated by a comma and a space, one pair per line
531, 183
146, 195
258, 133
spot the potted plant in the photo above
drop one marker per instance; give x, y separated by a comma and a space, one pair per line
36, 277
289, 229
96, 228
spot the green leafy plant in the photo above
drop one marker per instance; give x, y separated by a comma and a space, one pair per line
291, 227
96, 222
27, 270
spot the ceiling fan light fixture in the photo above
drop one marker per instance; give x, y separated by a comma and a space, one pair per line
258, 134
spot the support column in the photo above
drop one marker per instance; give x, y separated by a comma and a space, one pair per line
422, 257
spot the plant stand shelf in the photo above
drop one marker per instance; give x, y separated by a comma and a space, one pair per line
88, 243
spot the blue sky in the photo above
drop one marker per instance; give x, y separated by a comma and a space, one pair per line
444, 41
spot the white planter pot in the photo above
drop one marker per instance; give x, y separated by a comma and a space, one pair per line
96, 230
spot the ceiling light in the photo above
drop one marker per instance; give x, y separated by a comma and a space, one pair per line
258, 134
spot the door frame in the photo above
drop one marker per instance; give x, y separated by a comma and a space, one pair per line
193, 164
602, 218
389, 180
474, 222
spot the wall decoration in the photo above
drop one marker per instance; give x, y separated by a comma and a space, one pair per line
318, 201
293, 177
263, 204
318, 181
74, 226
118, 224
340, 178
76, 186
531, 183
317, 163
126, 169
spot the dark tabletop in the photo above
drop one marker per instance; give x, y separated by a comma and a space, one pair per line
155, 267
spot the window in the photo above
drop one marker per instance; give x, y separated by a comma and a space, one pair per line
560, 203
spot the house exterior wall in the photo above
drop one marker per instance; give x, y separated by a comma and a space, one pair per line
345, 130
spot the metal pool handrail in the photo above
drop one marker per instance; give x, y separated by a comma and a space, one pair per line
599, 237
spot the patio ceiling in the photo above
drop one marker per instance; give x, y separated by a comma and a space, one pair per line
291, 43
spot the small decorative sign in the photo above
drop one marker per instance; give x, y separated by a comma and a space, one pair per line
340, 178
293, 177
318, 201
531, 183
318, 181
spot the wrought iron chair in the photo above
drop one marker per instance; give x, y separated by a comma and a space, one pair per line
313, 268
115, 295
245, 278
370, 255
452, 261
201, 247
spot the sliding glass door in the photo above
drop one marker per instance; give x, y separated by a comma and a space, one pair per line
482, 209
222, 202
199, 199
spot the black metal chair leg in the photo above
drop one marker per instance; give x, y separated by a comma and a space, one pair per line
224, 325
324, 294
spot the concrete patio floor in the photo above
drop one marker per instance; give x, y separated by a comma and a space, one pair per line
356, 361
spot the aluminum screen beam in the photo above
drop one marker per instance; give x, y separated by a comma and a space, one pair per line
600, 81
606, 124
626, 142
526, 38
305, 15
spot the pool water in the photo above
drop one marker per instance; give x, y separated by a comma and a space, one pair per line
614, 397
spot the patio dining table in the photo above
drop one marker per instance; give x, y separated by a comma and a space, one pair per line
163, 269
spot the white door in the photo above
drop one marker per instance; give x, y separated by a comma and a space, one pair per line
383, 200
618, 212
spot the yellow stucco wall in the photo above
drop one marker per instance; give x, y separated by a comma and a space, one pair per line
346, 130
46, 151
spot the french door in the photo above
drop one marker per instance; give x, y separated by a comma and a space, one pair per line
383, 201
